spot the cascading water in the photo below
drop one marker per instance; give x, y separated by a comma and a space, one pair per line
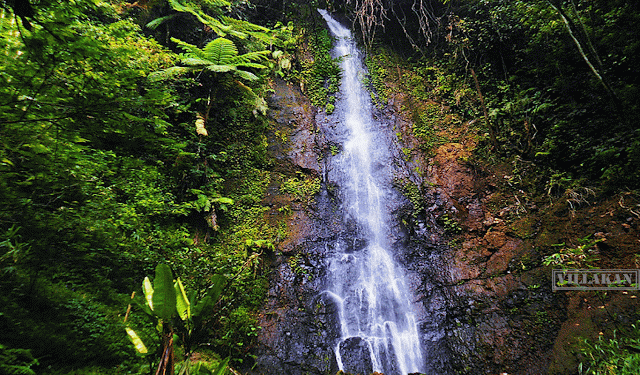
377, 326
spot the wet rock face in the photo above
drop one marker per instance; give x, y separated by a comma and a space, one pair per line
352, 351
496, 311
483, 307
297, 320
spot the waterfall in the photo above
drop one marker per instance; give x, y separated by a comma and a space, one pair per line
377, 324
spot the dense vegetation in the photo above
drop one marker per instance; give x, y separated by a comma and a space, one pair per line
558, 77
117, 153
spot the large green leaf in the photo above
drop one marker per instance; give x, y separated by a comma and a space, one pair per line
183, 305
192, 51
194, 61
147, 289
221, 68
246, 75
251, 56
252, 65
164, 294
204, 306
243, 25
216, 3
218, 282
137, 342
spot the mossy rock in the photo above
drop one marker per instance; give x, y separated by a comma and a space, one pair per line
547, 238
523, 228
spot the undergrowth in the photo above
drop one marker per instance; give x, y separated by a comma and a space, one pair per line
619, 355
321, 74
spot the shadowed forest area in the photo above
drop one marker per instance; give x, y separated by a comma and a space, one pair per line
137, 172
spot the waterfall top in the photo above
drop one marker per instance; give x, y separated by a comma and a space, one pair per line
335, 26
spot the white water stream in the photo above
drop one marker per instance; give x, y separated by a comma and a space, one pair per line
377, 324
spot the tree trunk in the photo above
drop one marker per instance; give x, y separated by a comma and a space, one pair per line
167, 360
567, 23
492, 130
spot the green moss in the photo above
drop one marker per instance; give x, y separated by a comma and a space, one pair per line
301, 186
450, 224
547, 237
296, 263
335, 149
377, 63
413, 193
427, 119
524, 228
330, 108
407, 153
321, 76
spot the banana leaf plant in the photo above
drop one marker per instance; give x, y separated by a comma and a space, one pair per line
179, 315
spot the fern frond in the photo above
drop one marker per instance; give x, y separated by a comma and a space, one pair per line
159, 21
220, 68
246, 76
189, 48
165, 74
219, 28
251, 56
243, 25
178, 6
251, 65
220, 51
265, 38
236, 33
192, 61
216, 3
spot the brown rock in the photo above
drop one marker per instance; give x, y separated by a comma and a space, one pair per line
499, 262
495, 239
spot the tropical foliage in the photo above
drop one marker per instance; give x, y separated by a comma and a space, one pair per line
118, 154
103, 176
218, 56
180, 316
557, 75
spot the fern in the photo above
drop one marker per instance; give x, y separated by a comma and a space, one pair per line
192, 51
221, 68
251, 65
218, 56
265, 38
220, 51
243, 25
251, 56
195, 62
219, 23
215, 24
159, 21
16, 361
216, 3
176, 5
246, 76
218, 27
